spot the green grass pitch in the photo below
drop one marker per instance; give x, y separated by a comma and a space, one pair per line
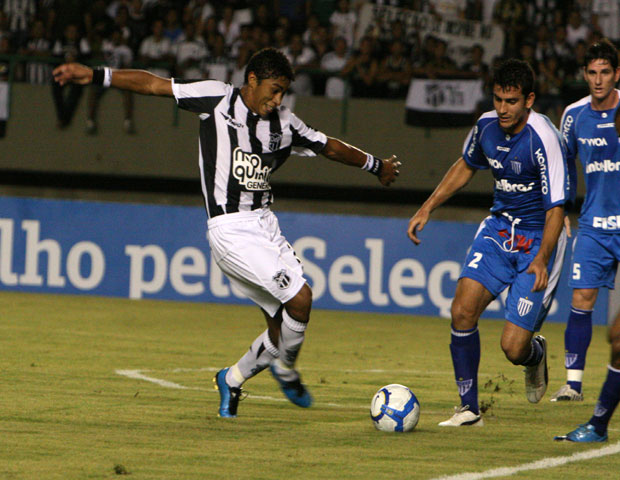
65, 412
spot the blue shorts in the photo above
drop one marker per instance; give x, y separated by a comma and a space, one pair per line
595, 259
494, 262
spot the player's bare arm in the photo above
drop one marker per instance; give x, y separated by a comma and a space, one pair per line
139, 81
554, 222
342, 152
454, 180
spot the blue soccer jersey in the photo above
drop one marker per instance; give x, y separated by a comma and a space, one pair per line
591, 134
529, 168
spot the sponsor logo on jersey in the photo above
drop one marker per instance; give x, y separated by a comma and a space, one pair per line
275, 139
505, 186
495, 163
516, 166
283, 281
524, 306
470, 150
249, 171
570, 359
524, 244
568, 121
606, 223
231, 121
593, 142
605, 166
544, 183
464, 386
503, 149
605, 125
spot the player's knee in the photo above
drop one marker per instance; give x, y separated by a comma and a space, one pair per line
300, 305
462, 317
614, 339
584, 298
514, 353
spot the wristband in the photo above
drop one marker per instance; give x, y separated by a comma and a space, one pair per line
102, 76
373, 164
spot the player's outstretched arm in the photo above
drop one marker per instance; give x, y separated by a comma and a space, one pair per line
554, 222
139, 81
386, 170
456, 178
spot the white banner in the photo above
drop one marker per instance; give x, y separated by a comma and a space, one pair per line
444, 96
4, 101
461, 35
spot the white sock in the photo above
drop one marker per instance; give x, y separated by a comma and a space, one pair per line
261, 354
292, 335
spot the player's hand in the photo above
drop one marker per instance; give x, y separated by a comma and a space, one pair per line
538, 267
416, 224
73, 72
389, 171
567, 226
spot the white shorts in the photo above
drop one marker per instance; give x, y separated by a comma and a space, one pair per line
251, 250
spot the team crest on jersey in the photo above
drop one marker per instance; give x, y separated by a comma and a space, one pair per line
516, 166
249, 171
275, 139
570, 359
464, 386
524, 306
283, 281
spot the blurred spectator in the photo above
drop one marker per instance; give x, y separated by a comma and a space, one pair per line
210, 32
320, 42
65, 13
607, 18
69, 48
97, 22
542, 12
264, 17
295, 11
172, 27
38, 73
440, 64
301, 58
361, 70
476, 65
117, 54
543, 47
575, 86
201, 10
333, 62
561, 47
228, 26
155, 50
448, 9
218, 64
322, 9
511, 16
527, 54
245, 37
576, 30
137, 22
549, 83
343, 22
312, 28
395, 72
189, 53
121, 22
20, 14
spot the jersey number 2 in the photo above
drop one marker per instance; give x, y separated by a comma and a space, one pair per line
475, 260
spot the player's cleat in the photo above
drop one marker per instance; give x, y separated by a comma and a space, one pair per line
583, 433
463, 417
536, 376
567, 394
294, 390
229, 396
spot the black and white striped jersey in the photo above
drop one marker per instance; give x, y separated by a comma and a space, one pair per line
239, 150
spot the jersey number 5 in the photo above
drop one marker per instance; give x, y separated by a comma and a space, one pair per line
576, 271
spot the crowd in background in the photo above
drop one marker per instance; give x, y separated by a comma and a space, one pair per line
214, 39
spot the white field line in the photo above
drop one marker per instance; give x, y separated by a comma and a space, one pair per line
538, 465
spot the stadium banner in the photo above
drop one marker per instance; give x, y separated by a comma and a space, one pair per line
442, 103
461, 35
161, 252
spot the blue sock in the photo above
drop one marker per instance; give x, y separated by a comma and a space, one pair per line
465, 350
577, 339
535, 355
607, 401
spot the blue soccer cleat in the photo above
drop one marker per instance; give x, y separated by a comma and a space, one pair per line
229, 396
294, 390
583, 433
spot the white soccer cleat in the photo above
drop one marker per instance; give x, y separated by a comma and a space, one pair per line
463, 417
567, 394
536, 376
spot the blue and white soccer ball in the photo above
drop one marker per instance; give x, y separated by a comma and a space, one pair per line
395, 408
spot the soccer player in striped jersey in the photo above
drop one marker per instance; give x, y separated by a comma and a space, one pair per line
519, 246
245, 135
588, 132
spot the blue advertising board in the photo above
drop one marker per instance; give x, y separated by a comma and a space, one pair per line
161, 252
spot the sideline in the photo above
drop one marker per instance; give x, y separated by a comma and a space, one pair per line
538, 465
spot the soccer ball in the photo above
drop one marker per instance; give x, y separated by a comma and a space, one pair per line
395, 408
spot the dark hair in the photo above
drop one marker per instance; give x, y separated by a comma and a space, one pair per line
603, 50
514, 73
269, 63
